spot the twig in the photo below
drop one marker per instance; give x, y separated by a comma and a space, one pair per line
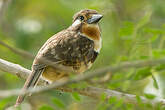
18, 51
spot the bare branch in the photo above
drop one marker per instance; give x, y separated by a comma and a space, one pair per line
14, 69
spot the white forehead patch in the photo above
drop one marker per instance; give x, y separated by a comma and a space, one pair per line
76, 23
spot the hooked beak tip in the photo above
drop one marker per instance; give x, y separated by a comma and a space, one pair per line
100, 16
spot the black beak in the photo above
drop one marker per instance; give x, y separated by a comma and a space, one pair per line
94, 19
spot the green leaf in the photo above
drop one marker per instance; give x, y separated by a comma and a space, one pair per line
58, 103
142, 73
112, 100
155, 84
154, 37
160, 67
119, 102
103, 96
102, 106
46, 107
4, 102
76, 96
159, 106
139, 100
149, 96
158, 53
144, 57
127, 30
154, 31
129, 106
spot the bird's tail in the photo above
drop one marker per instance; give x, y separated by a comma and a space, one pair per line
30, 82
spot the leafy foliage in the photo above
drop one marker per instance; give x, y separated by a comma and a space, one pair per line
45, 107
58, 103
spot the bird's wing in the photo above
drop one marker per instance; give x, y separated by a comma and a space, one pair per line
68, 49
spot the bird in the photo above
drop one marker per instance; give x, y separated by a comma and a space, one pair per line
75, 48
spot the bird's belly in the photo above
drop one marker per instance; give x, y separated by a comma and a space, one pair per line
83, 67
51, 74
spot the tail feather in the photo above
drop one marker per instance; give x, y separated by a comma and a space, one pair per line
30, 82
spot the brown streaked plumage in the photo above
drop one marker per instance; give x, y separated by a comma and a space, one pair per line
75, 48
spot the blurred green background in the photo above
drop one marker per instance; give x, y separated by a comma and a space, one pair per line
131, 30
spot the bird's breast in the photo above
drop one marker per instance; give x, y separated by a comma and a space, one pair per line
93, 33
79, 54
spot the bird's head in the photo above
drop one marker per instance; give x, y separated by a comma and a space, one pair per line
87, 21
87, 17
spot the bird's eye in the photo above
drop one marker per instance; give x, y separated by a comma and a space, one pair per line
81, 18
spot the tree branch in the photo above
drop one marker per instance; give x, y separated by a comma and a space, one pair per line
89, 91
